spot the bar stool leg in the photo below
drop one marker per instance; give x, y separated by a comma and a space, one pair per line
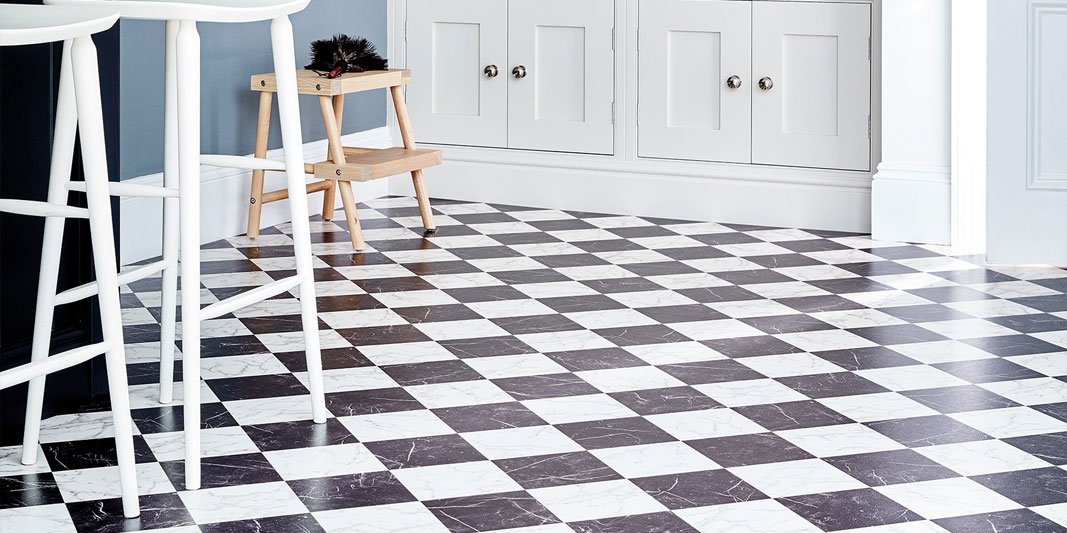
255, 206
90, 117
188, 88
281, 31
169, 296
66, 127
404, 122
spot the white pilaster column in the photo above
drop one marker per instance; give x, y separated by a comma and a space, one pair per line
912, 189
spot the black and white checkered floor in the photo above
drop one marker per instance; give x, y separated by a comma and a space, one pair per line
542, 371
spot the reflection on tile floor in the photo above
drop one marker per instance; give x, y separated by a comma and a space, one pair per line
538, 370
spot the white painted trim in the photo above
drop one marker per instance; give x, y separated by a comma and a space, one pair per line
911, 203
969, 26
224, 200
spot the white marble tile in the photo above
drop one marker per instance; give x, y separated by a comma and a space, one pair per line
654, 459
146, 352
362, 318
791, 364
461, 329
409, 517
752, 308
637, 300
753, 249
362, 272
589, 501
408, 352
937, 264
349, 379
750, 392
455, 480
103, 482
691, 425
619, 222
521, 442
947, 497
438, 395
267, 410
991, 308
414, 298
1058, 338
235, 279
541, 214
874, 407
715, 329
825, 340
1050, 364
632, 378
694, 280
911, 377
675, 352
1056, 512
816, 272
272, 307
594, 272
323, 461
1015, 289
793, 478
78, 426
722, 264
510, 308
1010, 422
11, 462
235, 366
914, 280
1030, 391
147, 395
627, 257
510, 366
137, 315
230, 440
395, 425
52, 518
219, 328
699, 228
546, 248
1030, 271
496, 228
841, 439
857, 318
555, 289
785, 289
505, 264
431, 255
879, 299
967, 328
562, 341
293, 341
612, 318
578, 408
666, 241
941, 352
759, 516
241, 502
462, 281
836, 257
337, 287
982, 457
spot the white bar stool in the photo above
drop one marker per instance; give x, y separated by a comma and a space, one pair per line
181, 192
78, 109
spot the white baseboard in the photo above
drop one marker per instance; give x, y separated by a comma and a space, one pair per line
658, 189
224, 194
912, 203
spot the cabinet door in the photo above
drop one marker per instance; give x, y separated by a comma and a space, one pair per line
449, 45
564, 102
687, 51
817, 56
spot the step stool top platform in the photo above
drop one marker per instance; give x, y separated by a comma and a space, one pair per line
308, 82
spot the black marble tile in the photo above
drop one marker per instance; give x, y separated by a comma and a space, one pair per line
332, 359
545, 386
719, 294
927, 431
277, 324
1051, 447
352, 490
252, 387
636, 335
1008, 345
484, 417
365, 402
224, 471
234, 345
792, 415
974, 276
295, 523
751, 346
158, 511
667, 400
866, 358
890, 467
1055, 410
347, 302
775, 325
689, 253
752, 277
615, 432
752, 449
168, 418
356, 259
642, 523
959, 399
596, 359
819, 304
830, 385
518, 277
553, 470
561, 225
849, 285
877, 268
988, 370
524, 325
298, 434
432, 372
620, 285
320, 274
783, 260
492, 293
402, 244
1053, 303
897, 334
424, 451
485, 218
383, 335
487, 512
716, 371
534, 237
29, 489
640, 232
725, 238
608, 245
850, 509
901, 252
91, 453
811, 245
955, 293
376, 285
1011, 521
1040, 486
698, 489
570, 260
1035, 323
486, 347
484, 252
579, 304
669, 314
663, 268
925, 313
436, 313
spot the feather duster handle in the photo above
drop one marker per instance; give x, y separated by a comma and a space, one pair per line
345, 54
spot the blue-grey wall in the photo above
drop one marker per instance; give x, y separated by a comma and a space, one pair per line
230, 54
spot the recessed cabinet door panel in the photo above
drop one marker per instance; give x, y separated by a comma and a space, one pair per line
450, 44
688, 51
564, 100
815, 110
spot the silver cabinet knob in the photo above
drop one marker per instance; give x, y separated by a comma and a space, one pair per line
491, 71
766, 84
519, 72
733, 82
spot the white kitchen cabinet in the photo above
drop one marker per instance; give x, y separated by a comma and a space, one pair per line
816, 112
694, 80
565, 100
450, 44
524, 74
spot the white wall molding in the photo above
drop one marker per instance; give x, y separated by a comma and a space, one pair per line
1040, 62
224, 199
969, 28
912, 191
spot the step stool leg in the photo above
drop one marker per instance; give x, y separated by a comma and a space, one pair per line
255, 201
189, 200
66, 126
328, 196
171, 220
404, 122
94, 160
281, 33
337, 155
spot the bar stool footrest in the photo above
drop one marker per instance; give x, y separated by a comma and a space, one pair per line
82, 292
250, 297
51, 364
41, 209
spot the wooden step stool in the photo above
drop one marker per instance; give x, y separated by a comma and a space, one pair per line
345, 164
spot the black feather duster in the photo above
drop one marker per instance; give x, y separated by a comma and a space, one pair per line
345, 53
